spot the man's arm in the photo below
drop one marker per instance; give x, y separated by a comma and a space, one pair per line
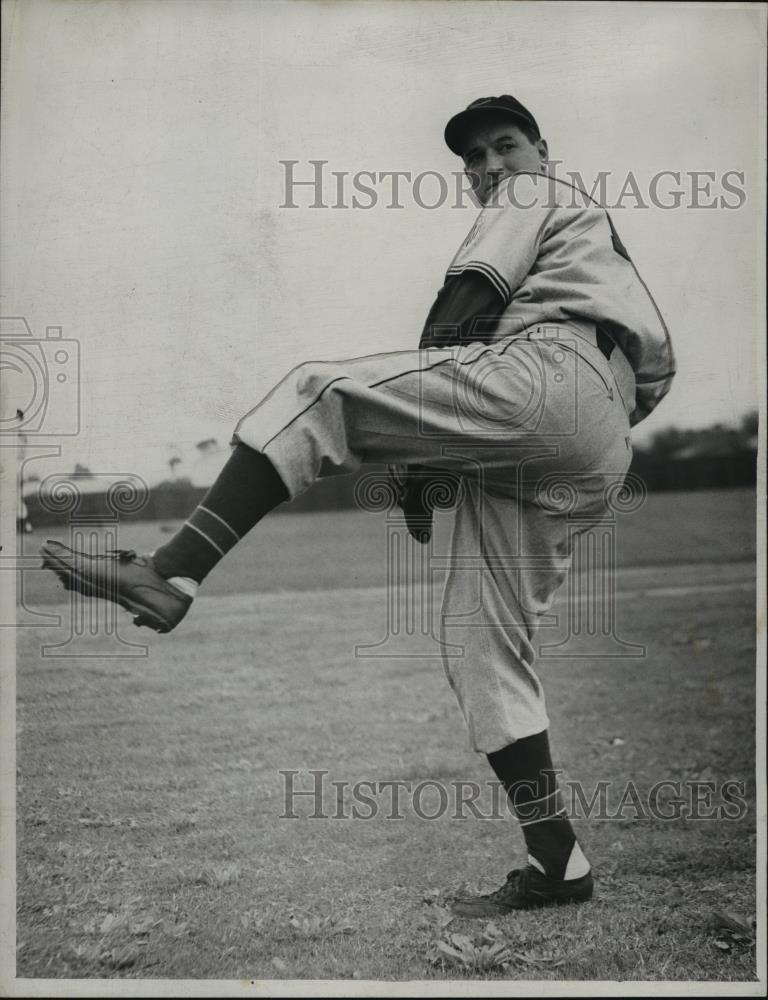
467, 309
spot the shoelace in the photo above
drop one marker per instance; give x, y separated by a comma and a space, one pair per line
124, 555
517, 880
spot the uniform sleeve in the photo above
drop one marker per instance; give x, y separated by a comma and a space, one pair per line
649, 393
467, 309
505, 240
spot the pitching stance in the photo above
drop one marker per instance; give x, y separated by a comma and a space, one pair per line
542, 349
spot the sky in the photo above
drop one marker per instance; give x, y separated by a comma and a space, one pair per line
142, 188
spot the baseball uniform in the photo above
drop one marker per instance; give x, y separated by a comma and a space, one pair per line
541, 351
538, 405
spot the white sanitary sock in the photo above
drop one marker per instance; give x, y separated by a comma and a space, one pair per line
185, 584
577, 866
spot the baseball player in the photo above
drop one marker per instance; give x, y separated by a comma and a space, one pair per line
542, 349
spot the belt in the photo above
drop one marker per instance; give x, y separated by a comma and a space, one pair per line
593, 334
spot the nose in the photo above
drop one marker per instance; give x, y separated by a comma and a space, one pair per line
494, 163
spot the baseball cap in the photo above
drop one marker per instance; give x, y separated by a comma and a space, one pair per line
506, 105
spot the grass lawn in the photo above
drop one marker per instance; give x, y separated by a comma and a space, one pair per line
348, 548
151, 842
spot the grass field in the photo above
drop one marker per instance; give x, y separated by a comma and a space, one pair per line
150, 837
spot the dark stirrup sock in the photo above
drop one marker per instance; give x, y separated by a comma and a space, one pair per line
247, 488
525, 769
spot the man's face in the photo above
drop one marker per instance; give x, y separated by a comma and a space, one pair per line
497, 150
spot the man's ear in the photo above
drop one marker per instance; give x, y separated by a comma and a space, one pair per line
543, 149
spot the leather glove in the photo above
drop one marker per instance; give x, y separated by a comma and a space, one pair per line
418, 490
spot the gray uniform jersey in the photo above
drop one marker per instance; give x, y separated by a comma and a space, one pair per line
553, 254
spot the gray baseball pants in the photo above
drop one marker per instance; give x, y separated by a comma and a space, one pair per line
537, 427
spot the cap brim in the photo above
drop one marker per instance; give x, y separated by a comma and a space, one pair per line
459, 125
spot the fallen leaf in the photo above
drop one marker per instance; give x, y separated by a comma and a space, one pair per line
461, 940
730, 921
122, 958
442, 916
492, 930
447, 949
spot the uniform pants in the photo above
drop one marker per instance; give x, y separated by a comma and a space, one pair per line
536, 429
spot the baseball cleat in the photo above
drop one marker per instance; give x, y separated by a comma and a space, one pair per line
123, 577
525, 889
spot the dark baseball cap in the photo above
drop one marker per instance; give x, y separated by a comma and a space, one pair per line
505, 106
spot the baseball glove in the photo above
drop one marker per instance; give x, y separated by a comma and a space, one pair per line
419, 491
